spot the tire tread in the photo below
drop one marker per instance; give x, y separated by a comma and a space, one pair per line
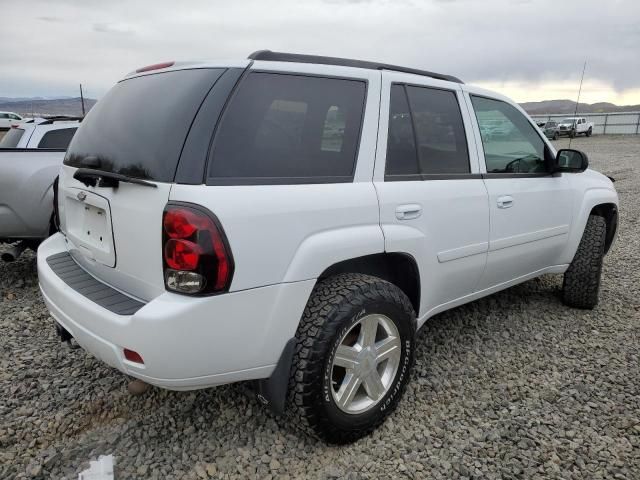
581, 283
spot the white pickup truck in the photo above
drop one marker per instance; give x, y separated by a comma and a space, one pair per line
31, 155
573, 126
293, 220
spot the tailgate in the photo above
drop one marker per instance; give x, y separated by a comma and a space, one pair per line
115, 233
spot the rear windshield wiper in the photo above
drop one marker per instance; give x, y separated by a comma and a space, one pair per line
93, 178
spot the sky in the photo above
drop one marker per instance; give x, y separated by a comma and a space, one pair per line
527, 49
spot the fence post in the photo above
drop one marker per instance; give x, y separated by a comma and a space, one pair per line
606, 119
638, 124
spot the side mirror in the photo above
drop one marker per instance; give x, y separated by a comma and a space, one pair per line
571, 161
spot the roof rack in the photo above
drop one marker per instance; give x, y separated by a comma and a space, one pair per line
268, 55
60, 118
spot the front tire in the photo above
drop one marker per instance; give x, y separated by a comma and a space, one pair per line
581, 283
589, 132
555, 136
354, 354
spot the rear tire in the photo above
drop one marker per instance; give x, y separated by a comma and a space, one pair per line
589, 132
333, 327
582, 280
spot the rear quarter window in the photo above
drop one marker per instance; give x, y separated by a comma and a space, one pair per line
58, 139
11, 138
287, 128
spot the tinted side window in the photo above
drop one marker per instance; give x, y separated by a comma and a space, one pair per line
442, 143
431, 119
57, 138
511, 144
282, 128
402, 156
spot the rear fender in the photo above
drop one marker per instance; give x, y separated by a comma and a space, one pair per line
323, 249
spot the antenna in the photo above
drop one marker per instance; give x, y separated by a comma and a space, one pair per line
575, 112
82, 98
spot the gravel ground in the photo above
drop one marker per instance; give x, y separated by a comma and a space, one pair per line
512, 386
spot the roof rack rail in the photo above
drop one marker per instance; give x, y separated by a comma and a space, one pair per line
268, 55
60, 118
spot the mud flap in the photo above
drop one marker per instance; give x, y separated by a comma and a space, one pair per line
272, 391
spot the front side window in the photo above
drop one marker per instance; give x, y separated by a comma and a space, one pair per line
58, 139
511, 144
426, 133
284, 128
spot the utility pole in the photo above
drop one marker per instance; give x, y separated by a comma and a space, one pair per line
82, 100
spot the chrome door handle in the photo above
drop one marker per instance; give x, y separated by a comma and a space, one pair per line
505, 201
409, 211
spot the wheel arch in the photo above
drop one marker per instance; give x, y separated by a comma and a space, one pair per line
609, 211
401, 269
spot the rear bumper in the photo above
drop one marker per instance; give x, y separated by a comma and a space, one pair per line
186, 343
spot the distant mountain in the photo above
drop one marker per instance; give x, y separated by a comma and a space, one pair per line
71, 106
569, 106
46, 106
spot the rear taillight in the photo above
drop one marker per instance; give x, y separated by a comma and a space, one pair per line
196, 255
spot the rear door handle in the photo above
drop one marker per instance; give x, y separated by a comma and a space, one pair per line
505, 201
409, 211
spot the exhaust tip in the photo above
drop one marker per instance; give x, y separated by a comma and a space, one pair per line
8, 257
14, 252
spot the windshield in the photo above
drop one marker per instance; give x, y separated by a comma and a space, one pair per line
568, 120
139, 127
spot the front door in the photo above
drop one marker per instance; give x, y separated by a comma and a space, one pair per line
529, 207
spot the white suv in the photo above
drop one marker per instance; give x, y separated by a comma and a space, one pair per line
293, 220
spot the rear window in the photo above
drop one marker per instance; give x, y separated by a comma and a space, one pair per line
139, 127
283, 128
11, 138
57, 138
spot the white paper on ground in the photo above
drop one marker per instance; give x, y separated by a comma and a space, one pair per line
101, 469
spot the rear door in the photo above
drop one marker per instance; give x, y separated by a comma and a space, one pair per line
137, 129
433, 202
530, 208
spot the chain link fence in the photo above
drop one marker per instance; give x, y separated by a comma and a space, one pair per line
624, 123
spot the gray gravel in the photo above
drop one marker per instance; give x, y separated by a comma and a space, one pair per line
512, 386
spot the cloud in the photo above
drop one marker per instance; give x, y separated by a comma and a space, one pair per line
50, 19
118, 28
532, 43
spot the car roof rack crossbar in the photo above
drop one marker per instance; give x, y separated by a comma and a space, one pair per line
60, 118
268, 55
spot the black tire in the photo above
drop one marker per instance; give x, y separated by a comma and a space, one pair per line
589, 132
335, 306
582, 280
572, 134
555, 136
